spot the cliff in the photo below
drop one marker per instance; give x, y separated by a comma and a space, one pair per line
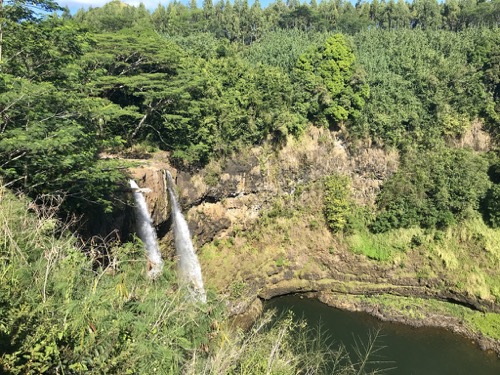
258, 224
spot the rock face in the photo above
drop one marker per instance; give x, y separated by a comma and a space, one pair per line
475, 138
229, 197
245, 314
152, 179
233, 192
317, 154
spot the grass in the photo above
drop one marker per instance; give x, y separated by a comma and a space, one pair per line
370, 246
62, 312
382, 246
470, 247
488, 323
418, 309
474, 249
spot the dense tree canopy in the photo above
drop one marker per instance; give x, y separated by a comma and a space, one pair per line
329, 84
47, 141
424, 85
203, 82
243, 23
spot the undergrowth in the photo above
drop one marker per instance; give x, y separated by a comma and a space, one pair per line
381, 246
64, 312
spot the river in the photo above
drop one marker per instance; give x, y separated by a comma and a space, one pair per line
409, 350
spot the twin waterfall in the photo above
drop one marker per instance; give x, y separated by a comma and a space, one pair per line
147, 232
188, 267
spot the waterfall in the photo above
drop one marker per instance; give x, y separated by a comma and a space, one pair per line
147, 232
188, 267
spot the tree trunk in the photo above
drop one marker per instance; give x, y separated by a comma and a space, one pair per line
1, 30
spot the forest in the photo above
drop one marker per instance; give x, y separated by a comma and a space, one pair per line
202, 82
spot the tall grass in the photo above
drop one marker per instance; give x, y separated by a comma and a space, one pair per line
286, 346
473, 248
64, 312
382, 246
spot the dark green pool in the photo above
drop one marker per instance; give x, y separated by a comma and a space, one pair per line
417, 351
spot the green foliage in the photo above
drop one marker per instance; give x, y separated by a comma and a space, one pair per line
205, 83
423, 85
62, 312
492, 206
237, 288
50, 130
131, 68
30, 10
240, 22
43, 51
486, 323
203, 45
383, 246
205, 104
226, 103
337, 204
432, 189
358, 218
486, 56
114, 16
282, 48
369, 246
330, 86
47, 149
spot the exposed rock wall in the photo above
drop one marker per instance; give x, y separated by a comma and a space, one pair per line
474, 137
229, 196
232, 192
151, 177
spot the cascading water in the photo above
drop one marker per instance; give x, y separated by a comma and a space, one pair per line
146, 232
188, 267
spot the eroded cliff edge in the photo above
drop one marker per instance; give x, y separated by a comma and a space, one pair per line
258, 224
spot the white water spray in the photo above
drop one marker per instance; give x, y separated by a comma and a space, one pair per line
146, 231
188, 267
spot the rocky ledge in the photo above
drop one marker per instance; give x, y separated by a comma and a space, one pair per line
226, 201
245, 312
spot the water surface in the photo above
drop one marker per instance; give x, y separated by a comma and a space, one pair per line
410, 350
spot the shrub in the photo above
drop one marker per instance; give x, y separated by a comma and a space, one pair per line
432, 189
492, 206
337, 205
